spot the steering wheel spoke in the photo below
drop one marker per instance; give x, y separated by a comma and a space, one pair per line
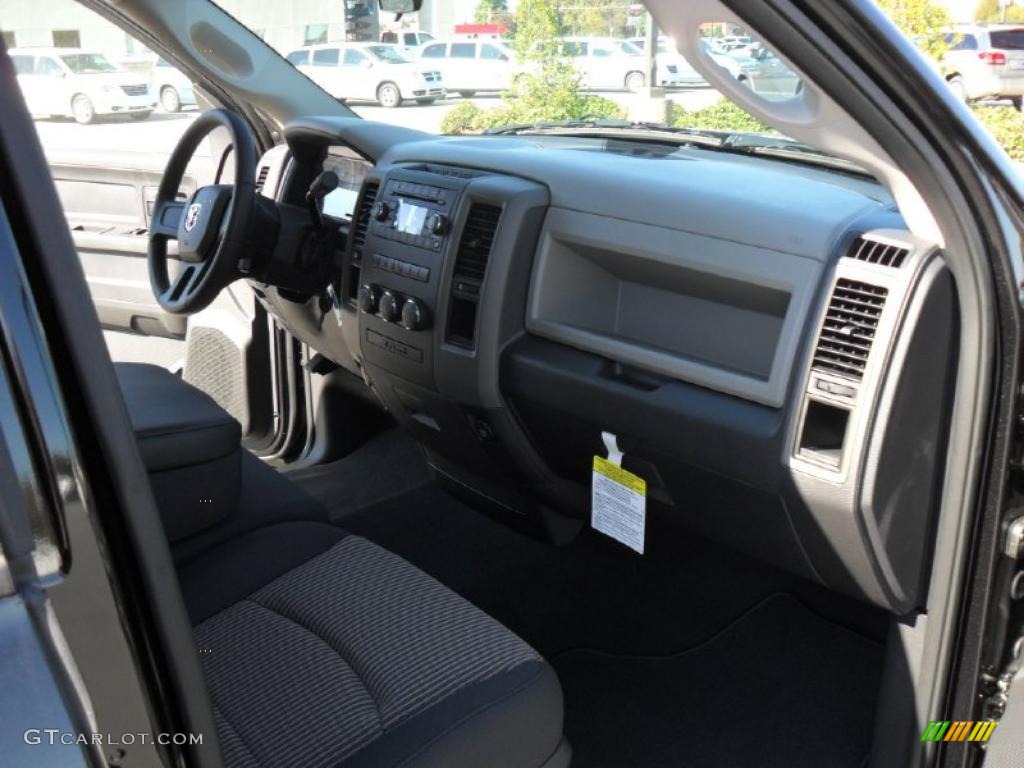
211, 229
166, 218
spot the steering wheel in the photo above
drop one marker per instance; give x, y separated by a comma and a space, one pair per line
212, 228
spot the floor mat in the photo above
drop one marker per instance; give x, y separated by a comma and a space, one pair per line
388, 465
780, 686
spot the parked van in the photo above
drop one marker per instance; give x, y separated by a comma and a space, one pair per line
468, 66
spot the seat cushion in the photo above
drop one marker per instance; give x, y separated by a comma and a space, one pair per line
355, 657
175, 424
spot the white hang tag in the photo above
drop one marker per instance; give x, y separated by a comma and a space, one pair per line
618, 498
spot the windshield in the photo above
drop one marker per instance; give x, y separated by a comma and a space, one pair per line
88, 63
387, 53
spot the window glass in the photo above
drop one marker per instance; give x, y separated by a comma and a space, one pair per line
298, 57
315, 33
463, 50
574, 48
325, 57
354, 58
388, 54
492, 53
1008, 39
434, 51
88, 63
47, 66
23, 65
67, 38
601, 52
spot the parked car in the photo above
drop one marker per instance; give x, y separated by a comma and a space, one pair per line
604, 64
410, 42
70, 82
172, 87
468, 66
368, 71
673, 68
986, 62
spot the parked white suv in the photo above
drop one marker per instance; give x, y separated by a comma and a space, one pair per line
368, 72
468, 66
70, 82
986, 62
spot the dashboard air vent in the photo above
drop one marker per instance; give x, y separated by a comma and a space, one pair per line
874, 252
849, 329
476, 242
261, 179
362, 218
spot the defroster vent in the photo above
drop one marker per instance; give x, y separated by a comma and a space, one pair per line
261, 179
849, 329
874, 252
361, 223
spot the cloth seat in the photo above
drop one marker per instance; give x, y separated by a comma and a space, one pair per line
191, 448
322, 649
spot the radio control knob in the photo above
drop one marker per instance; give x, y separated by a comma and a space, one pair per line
390, 308
414, 315
437, 223
369, 298
381, 211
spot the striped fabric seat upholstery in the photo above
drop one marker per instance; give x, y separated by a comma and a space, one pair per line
351, 650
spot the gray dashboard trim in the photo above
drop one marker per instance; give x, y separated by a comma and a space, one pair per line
794, 275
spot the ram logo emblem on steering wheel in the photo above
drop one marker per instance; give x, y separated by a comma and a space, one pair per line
192, 216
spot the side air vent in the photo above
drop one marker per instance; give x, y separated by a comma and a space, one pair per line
362, 219
849, 329
468, 274
261, 179
874, 252
476, 242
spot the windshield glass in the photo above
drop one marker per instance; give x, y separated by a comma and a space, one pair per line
88, 63
387, 53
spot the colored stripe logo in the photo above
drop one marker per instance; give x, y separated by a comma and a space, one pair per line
958, 730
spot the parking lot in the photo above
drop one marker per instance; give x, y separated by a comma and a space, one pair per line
161, 131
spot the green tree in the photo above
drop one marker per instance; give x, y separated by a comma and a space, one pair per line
492, 12
548, 87
990, 10
602, 18
923, 21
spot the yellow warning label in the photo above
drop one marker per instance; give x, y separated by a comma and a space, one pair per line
621, 476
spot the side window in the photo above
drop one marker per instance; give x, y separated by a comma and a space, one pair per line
492, 53
354, 58
435, 51
299, 58
463, 50
47, 66
326, 57
601, 53
575, 49
410, 38
23, 65
967, 43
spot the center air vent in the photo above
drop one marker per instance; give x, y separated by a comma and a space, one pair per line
362, 218
261, 179
849, 328
476, 242
874, 252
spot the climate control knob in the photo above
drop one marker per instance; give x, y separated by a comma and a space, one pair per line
390, 307
437, 223
369, 298
381, 211
415, 315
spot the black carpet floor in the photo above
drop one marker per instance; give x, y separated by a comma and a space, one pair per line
690, 655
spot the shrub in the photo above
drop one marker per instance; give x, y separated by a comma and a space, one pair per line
721, 116
1007, 125
461, 118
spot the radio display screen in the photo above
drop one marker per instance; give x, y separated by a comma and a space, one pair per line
410, 218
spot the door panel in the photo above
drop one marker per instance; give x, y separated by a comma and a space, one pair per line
107, 198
